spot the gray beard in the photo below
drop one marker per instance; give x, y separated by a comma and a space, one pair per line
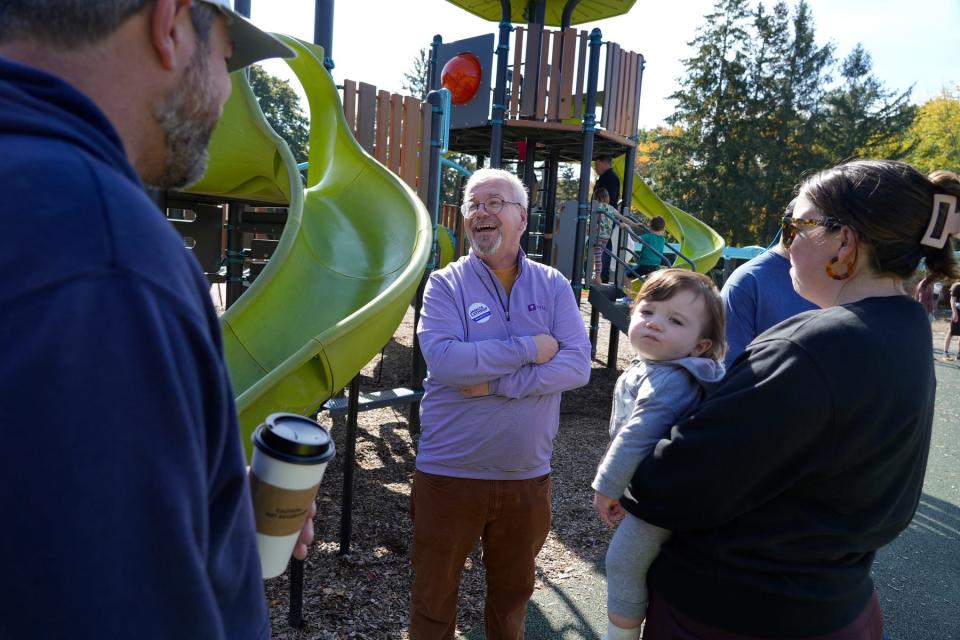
480, 251
187, 123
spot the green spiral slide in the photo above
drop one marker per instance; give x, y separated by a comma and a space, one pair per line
699, 242
353, 251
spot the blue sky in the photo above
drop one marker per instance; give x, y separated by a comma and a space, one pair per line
912, 42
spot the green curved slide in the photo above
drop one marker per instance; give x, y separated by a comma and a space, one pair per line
353, 251
698, 241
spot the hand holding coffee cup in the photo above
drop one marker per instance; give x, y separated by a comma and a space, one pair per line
290, 454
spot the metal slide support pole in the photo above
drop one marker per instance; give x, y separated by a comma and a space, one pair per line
349, 462
439, 102
595, 330
586, 156
295, 613
529, 177
549, 224
568, 14
242, 7
323, 30
613, 347
234, 254
500, 93
628, 177
434, 77
539, 15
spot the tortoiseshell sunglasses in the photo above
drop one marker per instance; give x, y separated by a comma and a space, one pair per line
791, 225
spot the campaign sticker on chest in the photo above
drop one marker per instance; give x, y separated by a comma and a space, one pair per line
479, 312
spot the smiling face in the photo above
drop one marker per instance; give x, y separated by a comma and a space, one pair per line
495, 237
669, 329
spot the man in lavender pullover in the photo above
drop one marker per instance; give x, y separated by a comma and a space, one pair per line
503, 338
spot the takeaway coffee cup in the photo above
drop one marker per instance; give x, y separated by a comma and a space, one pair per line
290, 454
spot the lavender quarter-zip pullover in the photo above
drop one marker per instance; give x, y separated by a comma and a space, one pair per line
470, 332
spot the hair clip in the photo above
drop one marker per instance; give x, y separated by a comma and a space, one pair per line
944, 221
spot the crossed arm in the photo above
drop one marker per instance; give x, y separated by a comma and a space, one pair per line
514, 367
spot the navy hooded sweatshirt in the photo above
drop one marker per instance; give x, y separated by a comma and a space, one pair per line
126, 511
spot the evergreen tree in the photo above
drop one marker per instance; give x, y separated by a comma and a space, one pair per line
786, 125
755, 111
281, 106
862, 116
697, 165
416, 81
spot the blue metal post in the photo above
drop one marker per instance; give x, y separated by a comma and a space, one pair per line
433, 81
586, 157
439, 102
323, 30
568, 13
500, 93
242, 7
550, 185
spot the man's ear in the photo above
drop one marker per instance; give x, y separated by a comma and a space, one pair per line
168, 19
523, 218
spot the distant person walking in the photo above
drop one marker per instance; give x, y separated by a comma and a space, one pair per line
954, 329
924, 295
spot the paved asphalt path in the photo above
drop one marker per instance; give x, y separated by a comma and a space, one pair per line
917, 576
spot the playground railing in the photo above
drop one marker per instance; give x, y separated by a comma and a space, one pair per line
631, 234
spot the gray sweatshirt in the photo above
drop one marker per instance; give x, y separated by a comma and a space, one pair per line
648, 399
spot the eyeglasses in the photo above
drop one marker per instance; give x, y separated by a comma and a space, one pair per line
492, 206
791, 226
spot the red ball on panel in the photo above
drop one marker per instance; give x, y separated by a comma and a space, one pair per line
461, 75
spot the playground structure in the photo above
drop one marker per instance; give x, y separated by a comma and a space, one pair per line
548, 88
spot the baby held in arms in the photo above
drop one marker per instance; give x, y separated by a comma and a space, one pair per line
677, 331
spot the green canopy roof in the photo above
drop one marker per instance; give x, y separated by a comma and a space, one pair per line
585, 10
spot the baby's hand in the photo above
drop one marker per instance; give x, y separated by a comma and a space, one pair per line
609, 509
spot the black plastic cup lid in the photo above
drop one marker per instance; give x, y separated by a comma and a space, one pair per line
295, 439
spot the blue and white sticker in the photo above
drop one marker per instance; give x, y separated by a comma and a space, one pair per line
479, 312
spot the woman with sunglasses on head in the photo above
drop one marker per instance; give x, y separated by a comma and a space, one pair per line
810, 454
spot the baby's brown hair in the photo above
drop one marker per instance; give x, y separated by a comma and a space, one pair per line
666, 283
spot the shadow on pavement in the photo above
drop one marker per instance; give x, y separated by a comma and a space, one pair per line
917, 576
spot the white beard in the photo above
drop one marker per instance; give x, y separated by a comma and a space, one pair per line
488, 249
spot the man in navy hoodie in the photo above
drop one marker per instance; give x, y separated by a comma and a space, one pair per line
126, 511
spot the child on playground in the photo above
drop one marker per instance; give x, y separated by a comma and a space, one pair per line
649, 248
604, 216
677, 330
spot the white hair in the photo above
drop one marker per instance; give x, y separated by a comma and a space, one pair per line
483, 176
